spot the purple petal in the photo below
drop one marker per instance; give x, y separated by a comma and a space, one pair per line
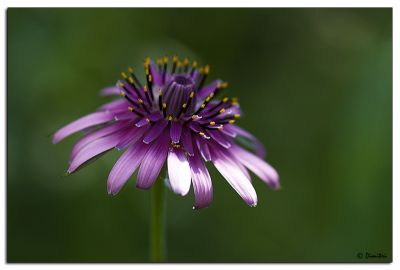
201, 180
116, 105
261, 168
157, 76
229, 169
82, 123
109, 91
178, 171
94, 135
125, 115
175, 131
195, 126
227, 130
142, 122
133, 135
125, 167
187, 141
208, 89
155, 116
203, 148
259, 148
155, 131
152, 162
95, 148
219, 138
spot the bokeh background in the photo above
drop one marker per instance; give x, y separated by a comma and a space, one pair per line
315, 86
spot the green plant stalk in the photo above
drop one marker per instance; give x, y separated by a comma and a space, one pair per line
157, 226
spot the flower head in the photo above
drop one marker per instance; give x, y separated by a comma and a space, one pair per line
174, 117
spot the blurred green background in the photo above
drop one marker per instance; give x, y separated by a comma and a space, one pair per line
315, 86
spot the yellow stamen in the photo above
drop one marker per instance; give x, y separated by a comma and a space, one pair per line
222, 110
148, 120
234, 101
201, 133
203, 105
206, 69
130, 80
186, 61
212, 123
225, 99
165, 59
150, 78
121, 93
236, 115
175, 59
170, 118
130, 108
123, 74
191, 94
164, 105
145, 88
194, 65
159, 92
232, 121
130, 69
184, 105
194, 116
140, 100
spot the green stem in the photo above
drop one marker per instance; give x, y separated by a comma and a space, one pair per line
157, 229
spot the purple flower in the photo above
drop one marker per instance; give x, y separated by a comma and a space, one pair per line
173, 117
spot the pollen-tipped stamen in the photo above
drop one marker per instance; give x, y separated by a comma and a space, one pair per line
164, 72
131, 72
135, 112
194, 67
174, 64
204, 72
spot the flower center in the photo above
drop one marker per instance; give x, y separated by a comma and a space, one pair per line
179, 95
183, 80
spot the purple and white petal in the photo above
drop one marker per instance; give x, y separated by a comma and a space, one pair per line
261, 168
152, 162
227, 166
82, 123
125, 167
178, 171
201, 180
